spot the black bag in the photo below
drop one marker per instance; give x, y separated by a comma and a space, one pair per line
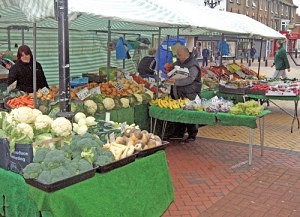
21, 157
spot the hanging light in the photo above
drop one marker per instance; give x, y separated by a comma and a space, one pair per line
212, 3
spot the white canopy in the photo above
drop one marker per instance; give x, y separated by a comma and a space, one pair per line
137, 15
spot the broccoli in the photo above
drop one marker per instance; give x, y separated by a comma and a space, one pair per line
54, 159
103, 160
40, 155
89, 154
45, 177
32, 171
59, 173
83, 166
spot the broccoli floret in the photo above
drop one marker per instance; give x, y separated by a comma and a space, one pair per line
72, 167
59, 173
40, 155
103, 160
45, 177
32, 171
83, 166
68, 151
54, 159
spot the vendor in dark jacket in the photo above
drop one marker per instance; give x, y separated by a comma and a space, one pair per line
147, 64
188, 87
22, 72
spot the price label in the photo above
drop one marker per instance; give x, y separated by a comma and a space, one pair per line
107, 116
45, 91
231, 77
118, 85
198, 100
123, 127
83, 94
151, 80
112, 138
12, 86
95, 90
128, 77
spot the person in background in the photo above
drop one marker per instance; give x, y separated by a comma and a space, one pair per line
188, 87
22, 72
195, 52
252, 52
281, 62
147, 65
205, 55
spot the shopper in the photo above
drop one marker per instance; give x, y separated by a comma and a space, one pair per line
188, 87
252, 53
147, 65
22, 72
205, 55
281, 62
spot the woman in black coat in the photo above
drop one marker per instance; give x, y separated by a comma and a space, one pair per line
22, 72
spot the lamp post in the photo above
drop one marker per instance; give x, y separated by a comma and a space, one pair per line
212, 3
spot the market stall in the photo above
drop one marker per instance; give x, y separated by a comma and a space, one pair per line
211, 118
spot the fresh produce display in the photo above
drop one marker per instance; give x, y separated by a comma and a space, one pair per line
251, 107
168, 102
260, 87
133, 140
24, 100
281, 89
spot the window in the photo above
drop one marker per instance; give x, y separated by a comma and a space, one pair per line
287, 11
266, 6
247, 3
260, 4
282, 6
238, 1
271, 6
253, 4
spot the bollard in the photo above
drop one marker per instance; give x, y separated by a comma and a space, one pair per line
241, 60
264, 58
252, 60
296, 53
249, 63
233, 60
266, 62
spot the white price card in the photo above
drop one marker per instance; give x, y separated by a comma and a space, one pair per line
83, 94
45, 91
107, 116
198, 100
128, 77
12, 86
95, 90
123, 127
112, 138
118, 85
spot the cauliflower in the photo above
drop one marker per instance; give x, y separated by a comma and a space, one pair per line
108, 103
81, 122
42, 124
78, 116
23, 115
61, 127
35, 113
91, 106
25, 129
138, 97
75, 127
82, 130
90, 121
125, 102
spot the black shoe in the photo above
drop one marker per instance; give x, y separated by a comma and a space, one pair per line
191, 139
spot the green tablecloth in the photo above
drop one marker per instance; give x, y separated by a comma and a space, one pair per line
227, 119
118, 115
141, 116
142, 188
203, 117
182, 116
285, 98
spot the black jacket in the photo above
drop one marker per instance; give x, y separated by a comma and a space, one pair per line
23, 74
147, 66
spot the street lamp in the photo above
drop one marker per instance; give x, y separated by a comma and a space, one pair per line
212, 3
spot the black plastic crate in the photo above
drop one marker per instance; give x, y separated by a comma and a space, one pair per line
4, 154
149, 151
63, 183
229, 90
116, 164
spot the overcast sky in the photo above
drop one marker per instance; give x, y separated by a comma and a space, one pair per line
297, 2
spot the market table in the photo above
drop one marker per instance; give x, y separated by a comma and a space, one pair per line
210, 118
283, 98
142, 188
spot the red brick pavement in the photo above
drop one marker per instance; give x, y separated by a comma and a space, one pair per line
212, 178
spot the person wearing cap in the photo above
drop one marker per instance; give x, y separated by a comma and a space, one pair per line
281, 62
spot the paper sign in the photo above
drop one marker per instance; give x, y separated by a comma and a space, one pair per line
45, 91
83, 94
123, 127
231, 77
12, 86
128, 77
118, 85
198, 100
107, 116
112, 138
95, 90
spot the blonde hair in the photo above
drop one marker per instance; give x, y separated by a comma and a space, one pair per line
151, 51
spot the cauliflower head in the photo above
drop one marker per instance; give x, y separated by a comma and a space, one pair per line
125, 102
43, 123
61, 127
78, 116
109, 103
91, 106
90, 121
138, 97
23, 115
25, 129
